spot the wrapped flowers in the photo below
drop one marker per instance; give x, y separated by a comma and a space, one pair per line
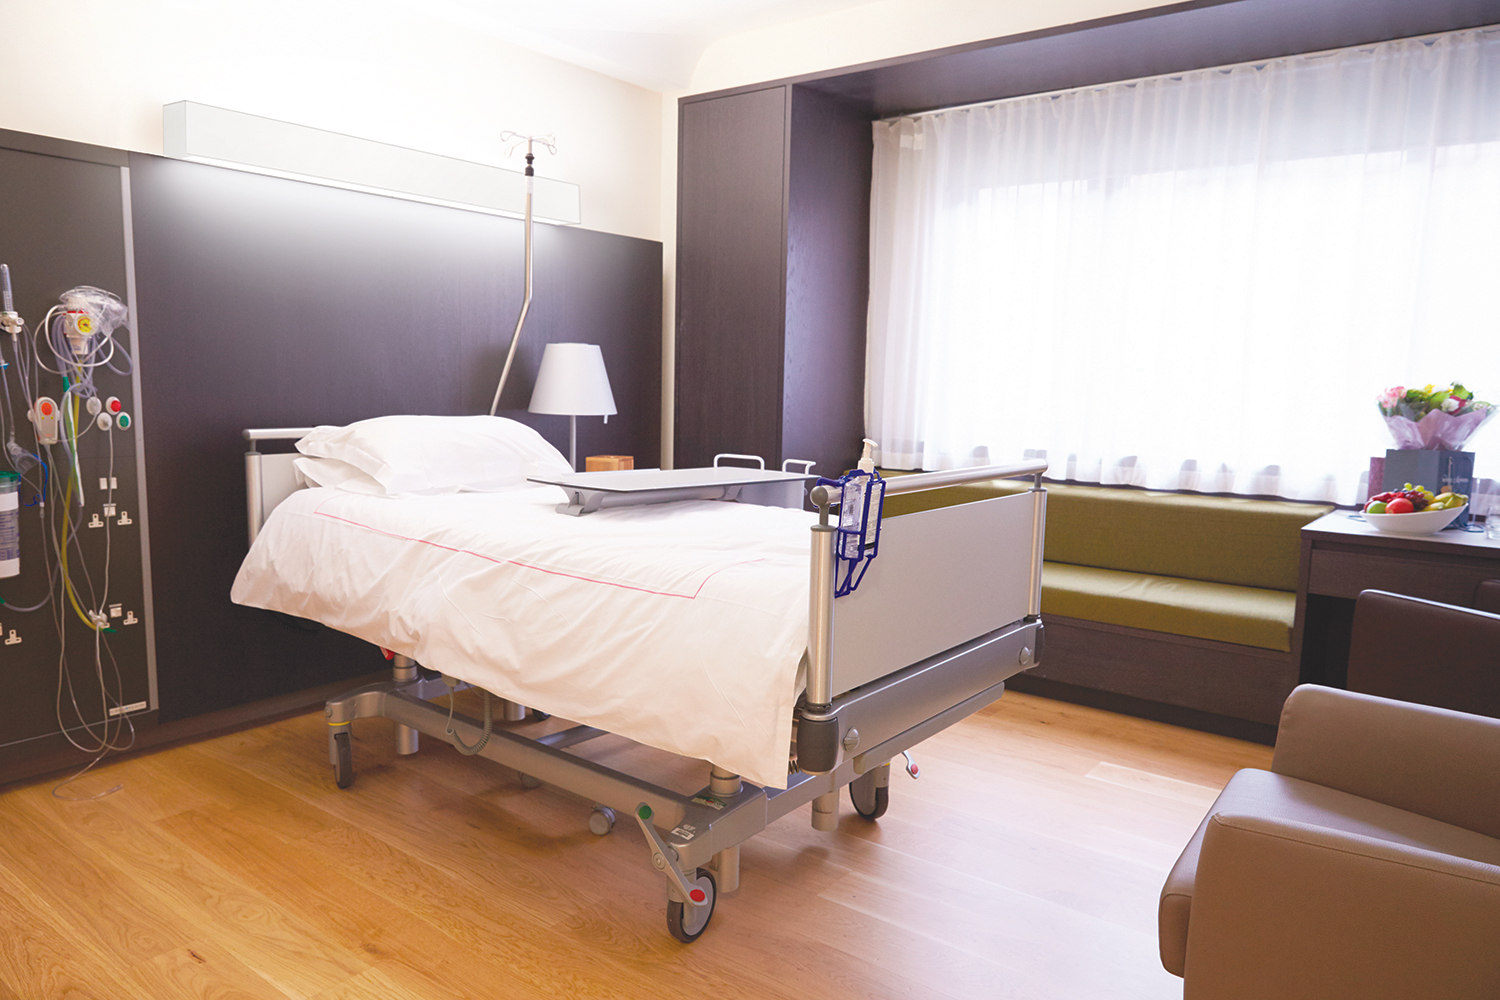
1431, 418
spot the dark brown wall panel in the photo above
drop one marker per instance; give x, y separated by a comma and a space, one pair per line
266, 302
730, 243
827, 285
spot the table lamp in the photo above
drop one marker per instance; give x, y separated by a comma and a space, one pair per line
572, 381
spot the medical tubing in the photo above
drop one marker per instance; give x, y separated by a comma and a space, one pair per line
129, 368
5, 425
63, 560
51, 587
484, 738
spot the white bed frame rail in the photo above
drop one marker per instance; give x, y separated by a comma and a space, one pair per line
269, 479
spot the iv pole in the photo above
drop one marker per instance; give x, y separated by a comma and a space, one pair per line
515, 338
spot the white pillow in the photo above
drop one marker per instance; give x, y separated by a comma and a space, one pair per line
421, 454
340, 475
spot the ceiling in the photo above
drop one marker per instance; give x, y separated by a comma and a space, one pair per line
651, 43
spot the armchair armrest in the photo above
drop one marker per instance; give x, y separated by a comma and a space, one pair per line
1289, 910
1430, 761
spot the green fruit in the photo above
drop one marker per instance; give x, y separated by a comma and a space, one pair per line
1375, 507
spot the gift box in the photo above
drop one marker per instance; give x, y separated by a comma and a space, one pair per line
1433, 469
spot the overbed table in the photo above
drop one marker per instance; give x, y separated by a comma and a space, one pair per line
1342, 555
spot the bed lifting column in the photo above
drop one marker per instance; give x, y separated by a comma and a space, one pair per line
726, 863
404, 671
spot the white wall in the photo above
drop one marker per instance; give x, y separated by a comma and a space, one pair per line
99, 71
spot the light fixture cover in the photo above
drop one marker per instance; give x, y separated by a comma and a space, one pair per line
249, 142
572, 381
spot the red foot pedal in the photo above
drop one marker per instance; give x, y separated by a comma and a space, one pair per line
911, 764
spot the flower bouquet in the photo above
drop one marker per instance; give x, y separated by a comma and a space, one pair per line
1431, 418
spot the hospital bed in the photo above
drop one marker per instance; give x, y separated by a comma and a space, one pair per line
946, 612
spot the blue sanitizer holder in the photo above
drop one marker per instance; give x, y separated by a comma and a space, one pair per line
861, 499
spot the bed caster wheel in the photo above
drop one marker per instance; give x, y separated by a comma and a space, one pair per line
601, 820
343, 768
687, 922
527, 781
870, 800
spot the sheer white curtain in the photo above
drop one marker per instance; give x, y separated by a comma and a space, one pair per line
1197, 282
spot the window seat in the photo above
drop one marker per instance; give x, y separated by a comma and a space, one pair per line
1171, 599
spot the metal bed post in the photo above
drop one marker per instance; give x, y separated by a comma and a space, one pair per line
1038, 539
825, 808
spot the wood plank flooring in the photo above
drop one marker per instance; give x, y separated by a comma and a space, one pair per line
1025, 863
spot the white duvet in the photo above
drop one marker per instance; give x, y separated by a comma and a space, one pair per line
680, 625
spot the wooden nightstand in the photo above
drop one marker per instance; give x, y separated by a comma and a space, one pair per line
608, 463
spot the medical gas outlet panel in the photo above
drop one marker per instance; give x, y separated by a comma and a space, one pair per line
73, 643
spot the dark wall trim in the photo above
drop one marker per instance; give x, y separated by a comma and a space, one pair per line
1167, 39
46, 145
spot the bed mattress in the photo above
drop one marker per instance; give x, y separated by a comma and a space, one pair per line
681, 626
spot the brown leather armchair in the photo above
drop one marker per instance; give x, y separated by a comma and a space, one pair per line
1365, 864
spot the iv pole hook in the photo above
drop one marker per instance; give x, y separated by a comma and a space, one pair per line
515, 337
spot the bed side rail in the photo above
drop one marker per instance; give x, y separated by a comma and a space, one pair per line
957, 477
1035, 468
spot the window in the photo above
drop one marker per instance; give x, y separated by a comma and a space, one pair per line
1190, 282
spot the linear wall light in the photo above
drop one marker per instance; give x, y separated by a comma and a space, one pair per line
207, 134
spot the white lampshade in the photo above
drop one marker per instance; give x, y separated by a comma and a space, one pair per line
572, 381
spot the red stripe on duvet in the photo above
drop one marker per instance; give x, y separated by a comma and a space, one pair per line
540, 569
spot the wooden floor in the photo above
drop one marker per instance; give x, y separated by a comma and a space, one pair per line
1025, 862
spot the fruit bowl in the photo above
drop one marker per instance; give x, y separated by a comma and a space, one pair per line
1421, 522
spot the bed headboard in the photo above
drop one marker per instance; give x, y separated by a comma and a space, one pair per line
269, 478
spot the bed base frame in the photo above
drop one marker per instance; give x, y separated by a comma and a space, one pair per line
706, 828
845, 739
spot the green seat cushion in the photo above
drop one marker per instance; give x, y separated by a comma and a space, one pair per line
1249, 616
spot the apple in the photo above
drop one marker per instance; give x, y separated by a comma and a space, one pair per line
1400, 505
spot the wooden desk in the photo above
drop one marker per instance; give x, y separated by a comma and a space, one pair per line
1342, 555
